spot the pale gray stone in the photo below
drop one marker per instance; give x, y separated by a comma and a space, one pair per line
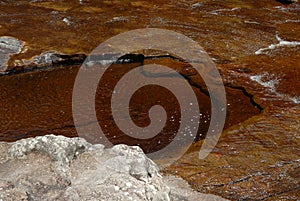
60, 168
8, 46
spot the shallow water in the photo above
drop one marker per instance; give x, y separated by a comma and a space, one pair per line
255, 45
40, 102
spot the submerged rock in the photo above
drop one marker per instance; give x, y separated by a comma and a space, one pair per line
256, 160
60, 168
255, 45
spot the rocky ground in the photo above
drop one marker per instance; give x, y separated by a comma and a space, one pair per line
255, 45
60, 168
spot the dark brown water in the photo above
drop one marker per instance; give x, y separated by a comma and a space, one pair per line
40, 102
257, 157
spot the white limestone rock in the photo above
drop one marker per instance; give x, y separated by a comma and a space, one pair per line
60, 168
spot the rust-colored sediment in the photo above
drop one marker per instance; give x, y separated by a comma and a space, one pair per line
257, 156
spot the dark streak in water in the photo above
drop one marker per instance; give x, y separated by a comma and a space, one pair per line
64, 60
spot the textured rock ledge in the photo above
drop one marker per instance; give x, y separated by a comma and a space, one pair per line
60, 168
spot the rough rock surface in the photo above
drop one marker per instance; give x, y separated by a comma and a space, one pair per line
8, 46
60, 168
